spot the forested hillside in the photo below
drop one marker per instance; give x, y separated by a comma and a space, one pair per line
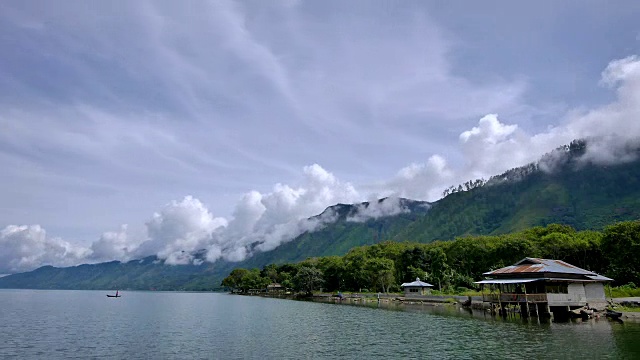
345, 233
568, 191
455, 265
562, 188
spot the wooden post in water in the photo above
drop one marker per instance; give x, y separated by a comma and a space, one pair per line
500, 301
526, 300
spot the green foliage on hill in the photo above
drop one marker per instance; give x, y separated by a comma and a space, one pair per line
146, 274
568, 191
344, 234
454, 265
582, 195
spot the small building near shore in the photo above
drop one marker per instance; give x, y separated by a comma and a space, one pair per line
544, 285
275, 288
416, 288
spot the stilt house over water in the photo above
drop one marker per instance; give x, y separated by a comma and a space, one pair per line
416, 288
544, 286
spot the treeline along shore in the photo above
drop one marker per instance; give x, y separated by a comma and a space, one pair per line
453, 266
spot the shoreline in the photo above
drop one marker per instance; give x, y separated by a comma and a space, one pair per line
413, 303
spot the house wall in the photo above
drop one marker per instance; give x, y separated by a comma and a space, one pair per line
577, 290
407, 291
594, 292
417, 291
575, 296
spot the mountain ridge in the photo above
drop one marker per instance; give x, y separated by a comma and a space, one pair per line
581, 194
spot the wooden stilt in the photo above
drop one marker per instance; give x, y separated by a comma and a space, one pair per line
500, 299
526, 300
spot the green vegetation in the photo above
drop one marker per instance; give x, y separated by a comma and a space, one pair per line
628, 290
626, 308
453, 266
145, 274
576, 193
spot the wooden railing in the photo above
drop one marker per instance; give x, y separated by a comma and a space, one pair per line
505, 297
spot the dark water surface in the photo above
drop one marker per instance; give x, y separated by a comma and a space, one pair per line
170, 325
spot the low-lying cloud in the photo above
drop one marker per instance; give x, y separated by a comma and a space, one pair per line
263, 221
495, 146
27, 247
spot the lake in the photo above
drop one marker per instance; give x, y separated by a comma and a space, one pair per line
169, 325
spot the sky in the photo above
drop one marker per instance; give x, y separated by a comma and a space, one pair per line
161, 128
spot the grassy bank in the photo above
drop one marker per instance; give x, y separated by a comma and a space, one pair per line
629, 290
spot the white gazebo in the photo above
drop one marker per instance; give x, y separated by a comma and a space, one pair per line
416, 288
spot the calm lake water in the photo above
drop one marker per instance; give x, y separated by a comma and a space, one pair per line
168, 325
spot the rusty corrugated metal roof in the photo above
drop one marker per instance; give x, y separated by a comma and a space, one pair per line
535, 265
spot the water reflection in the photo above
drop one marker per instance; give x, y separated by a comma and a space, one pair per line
81, 324
534, 337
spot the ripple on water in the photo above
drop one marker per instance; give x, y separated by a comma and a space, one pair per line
85, 324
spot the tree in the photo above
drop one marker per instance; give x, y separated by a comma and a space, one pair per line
621, 245
439, 267
308, 278
286, 280
414, 273
253, 280
554, 245
333, 271
380, 272
234, 280
354, 269
270, 272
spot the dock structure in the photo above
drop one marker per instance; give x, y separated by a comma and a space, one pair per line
543, 287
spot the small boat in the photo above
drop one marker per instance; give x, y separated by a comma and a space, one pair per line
613, 314
114, 296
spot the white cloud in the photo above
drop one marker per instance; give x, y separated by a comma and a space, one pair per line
263, 221
420, 181
494, 146
113, 110
260, 222
489, 131
377, 208
24, 248
179, 230
214, 100
621, 70
113, 245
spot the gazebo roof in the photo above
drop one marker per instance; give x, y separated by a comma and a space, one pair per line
417, 283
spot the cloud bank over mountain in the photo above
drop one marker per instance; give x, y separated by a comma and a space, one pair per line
261, 222
110, 111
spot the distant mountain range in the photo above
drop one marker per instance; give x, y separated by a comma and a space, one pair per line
577, 193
